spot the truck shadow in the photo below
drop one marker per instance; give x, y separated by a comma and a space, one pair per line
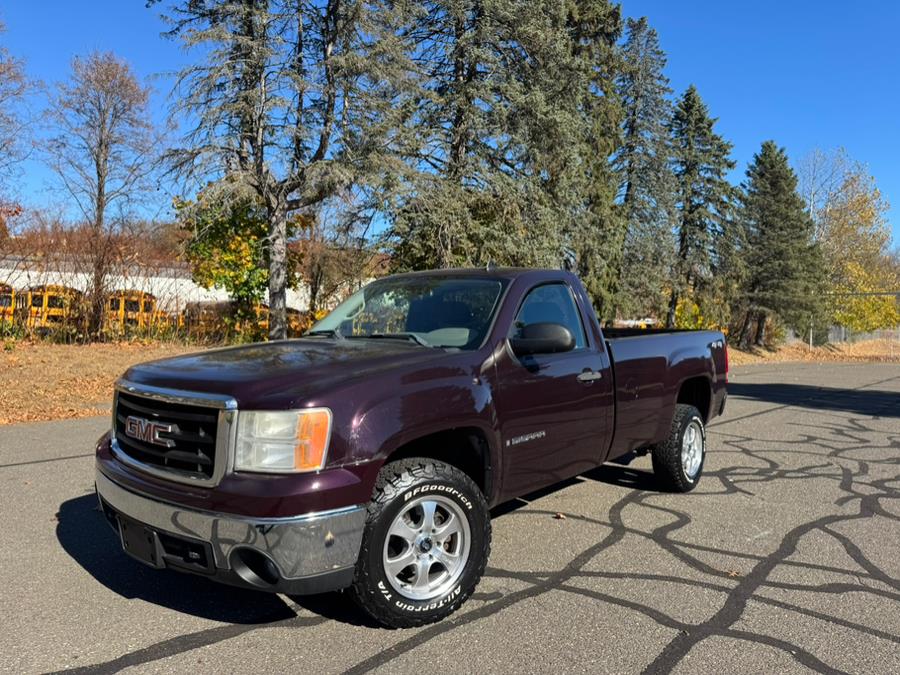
83, 533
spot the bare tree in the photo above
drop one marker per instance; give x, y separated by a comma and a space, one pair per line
335, 258
103, 151
14, 86
821, 175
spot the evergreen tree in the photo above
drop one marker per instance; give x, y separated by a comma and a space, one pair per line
701, 161
595, 232
515, 120
465, 198
786, 269
647, 184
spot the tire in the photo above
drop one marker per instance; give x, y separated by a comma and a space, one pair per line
441, 573
676, 466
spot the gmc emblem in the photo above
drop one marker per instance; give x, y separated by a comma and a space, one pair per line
149, 431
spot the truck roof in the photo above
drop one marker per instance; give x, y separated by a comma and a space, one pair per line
492, 272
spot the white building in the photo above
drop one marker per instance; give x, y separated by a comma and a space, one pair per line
172, 286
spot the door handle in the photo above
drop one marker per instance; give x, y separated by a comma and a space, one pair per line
588, 376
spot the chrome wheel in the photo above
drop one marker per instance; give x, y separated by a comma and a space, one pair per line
426, 548
692, 449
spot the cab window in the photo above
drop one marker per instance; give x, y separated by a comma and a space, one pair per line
551, 303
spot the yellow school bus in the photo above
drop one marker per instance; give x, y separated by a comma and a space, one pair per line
7, 302
133, 309
50, 306
210, 319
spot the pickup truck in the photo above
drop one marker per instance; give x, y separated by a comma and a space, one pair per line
366, 455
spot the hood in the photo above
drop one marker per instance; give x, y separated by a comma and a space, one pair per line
258, 374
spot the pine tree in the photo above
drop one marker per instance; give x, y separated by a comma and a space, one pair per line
647, 184
701, 162
466, 198
786, 269
516, 120
595, 233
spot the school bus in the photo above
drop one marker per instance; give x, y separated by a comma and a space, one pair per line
7, 302
51, 305
208, 319
133, 309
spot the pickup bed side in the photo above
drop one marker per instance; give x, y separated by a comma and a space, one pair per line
655, 371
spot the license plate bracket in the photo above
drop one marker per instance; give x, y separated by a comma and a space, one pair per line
140, 542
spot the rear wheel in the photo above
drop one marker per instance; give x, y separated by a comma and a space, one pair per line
425, 545
678, 461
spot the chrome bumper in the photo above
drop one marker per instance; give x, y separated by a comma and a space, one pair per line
305, 547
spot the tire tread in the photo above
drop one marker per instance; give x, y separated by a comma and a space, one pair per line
393, 479
666, 456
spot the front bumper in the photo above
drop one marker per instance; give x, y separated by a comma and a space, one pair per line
313, 553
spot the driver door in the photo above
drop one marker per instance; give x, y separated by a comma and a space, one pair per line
556, 420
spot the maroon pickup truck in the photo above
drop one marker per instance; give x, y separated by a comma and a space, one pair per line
366, 455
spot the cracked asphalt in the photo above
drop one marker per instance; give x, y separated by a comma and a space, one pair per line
786, 558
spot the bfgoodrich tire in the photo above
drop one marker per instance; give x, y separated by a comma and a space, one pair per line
425, 545
678, 461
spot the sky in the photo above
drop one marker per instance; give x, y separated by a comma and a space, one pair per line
807, 74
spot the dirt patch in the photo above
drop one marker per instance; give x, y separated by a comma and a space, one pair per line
51, 382
869, 351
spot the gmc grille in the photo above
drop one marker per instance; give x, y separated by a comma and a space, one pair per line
191, 440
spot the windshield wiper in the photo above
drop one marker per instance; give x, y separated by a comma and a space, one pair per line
327, 332
401, 336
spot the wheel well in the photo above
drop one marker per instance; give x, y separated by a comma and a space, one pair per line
696, 392
466, 448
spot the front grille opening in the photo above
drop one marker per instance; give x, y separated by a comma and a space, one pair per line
182, 439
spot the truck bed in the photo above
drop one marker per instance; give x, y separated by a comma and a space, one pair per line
650, 367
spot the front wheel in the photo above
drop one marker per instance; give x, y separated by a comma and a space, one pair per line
425, 546
678, 461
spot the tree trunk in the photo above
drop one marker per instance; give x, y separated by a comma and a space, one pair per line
277, 272
743, 335
97, 294
760, 329
670, 315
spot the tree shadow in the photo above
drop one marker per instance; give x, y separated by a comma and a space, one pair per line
84, 534
869, 402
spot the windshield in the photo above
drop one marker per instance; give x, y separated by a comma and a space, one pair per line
430, 310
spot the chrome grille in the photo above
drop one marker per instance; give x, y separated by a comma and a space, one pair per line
188, 433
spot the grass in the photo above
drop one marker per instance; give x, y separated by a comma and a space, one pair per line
43, 381
868, 351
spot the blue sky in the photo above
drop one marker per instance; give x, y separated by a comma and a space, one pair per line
806, 74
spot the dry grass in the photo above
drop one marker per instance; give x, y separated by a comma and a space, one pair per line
50, 382
878, 351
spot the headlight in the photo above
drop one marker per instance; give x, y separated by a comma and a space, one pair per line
290, 441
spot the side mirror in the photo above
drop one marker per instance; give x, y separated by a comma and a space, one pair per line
542, 338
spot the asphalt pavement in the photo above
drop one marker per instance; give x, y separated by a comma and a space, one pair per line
786, 558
